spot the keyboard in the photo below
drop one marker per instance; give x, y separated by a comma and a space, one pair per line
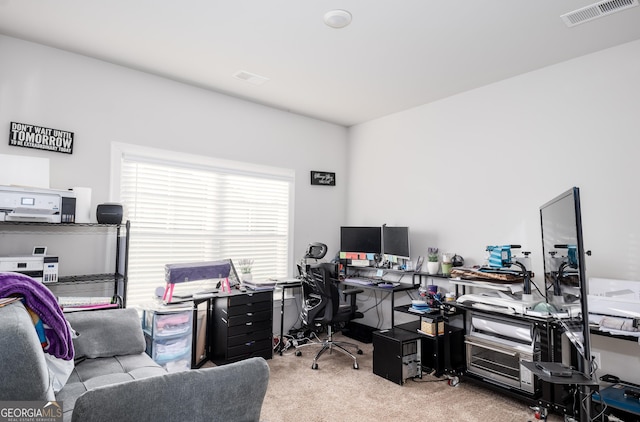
358, 280
387, 284
84, 300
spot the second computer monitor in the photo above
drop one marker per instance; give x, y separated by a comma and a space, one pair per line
395, 241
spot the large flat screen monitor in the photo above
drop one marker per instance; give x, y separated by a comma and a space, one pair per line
361, 239
395, 241
564, 267
562, 246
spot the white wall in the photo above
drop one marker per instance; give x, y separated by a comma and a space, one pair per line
104, 103
472, 170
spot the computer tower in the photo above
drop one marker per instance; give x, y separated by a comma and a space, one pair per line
396, 355
362, 333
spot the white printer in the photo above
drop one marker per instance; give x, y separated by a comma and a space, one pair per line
41, 268
24, 204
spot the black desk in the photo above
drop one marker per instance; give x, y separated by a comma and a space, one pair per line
284, 286
215, 336
393, 290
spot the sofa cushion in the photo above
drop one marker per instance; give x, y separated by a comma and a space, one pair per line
99, 372
227, 393
105, 333
139, 366
23, 360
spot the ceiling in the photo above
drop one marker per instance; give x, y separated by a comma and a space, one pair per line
395, 55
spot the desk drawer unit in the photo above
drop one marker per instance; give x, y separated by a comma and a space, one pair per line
243, 326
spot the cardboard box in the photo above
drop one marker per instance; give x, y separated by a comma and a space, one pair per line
428, 326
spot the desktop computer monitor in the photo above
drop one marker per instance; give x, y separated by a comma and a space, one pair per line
361, 239
395, 241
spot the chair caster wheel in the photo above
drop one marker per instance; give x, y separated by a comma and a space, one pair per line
298, 353
355, 366
359, 352
314, 366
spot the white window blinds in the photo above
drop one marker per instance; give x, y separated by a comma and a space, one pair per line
181, 212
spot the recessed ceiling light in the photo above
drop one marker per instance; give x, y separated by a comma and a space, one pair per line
337, 18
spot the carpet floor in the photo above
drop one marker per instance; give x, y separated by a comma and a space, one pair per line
337, 392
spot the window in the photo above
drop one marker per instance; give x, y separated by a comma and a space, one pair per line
192, 209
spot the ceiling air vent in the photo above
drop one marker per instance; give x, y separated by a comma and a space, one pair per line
252, 78
596, 10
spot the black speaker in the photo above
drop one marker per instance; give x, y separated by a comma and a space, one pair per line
109, 213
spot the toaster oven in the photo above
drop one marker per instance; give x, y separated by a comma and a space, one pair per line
496, 348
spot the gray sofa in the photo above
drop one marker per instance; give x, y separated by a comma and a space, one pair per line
114, 380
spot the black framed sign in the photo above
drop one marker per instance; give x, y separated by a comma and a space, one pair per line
323, 178
39, 137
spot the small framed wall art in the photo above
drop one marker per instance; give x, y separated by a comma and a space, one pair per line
323, 178
40, 137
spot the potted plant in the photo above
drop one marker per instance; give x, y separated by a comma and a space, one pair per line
245, 265
432, 261
447, 263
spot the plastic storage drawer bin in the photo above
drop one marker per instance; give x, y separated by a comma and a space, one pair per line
167, 350
182, 364
160, 323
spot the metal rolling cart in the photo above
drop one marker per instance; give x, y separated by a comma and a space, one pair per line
442, 342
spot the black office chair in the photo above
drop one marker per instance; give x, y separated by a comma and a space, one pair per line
321, 308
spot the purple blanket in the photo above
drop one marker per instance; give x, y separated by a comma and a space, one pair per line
44, 304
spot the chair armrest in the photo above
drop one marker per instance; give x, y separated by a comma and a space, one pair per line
351, 292
227, 393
